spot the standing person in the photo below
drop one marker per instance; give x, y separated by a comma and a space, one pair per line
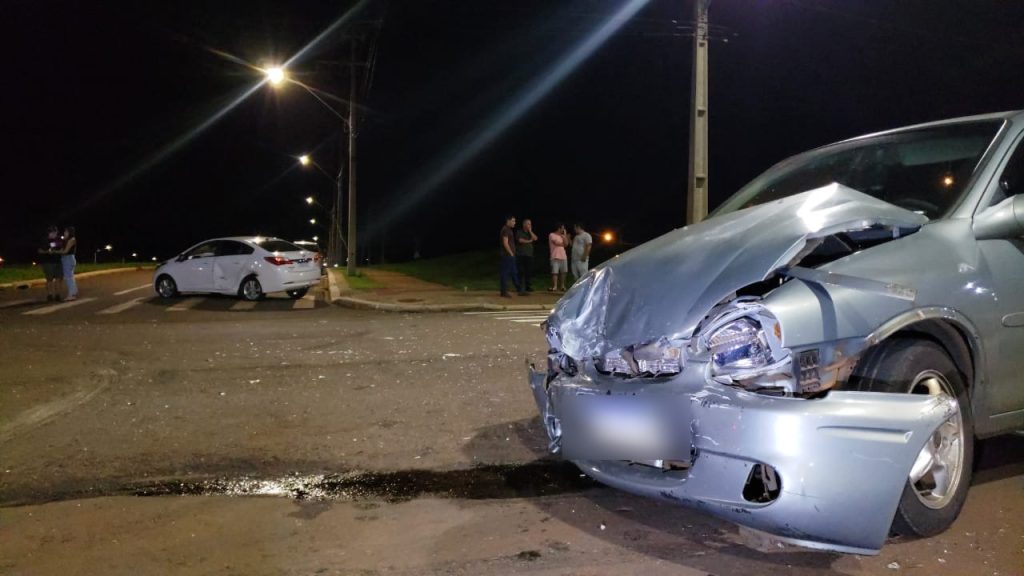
557, 241
507, 244
524, 253
68, 262
49, 260
581, 245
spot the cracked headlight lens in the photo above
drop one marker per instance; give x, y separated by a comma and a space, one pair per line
739, 345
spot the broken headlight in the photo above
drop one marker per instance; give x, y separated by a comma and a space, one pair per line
743, 342
739, 345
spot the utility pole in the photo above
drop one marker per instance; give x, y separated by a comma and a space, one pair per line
697, 184
352, 253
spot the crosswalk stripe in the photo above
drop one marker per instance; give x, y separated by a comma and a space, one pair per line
14, 303
123, 306
185, 304
534, 318
535, 321
123, 292
243, 305
307, 302
55, 307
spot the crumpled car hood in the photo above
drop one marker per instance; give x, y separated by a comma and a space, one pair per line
665, 287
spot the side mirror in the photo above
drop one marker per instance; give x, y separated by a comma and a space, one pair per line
1002, 221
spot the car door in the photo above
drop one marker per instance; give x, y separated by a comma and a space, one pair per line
194, 271
1003, 395
233, 262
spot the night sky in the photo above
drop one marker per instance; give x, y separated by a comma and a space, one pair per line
97, 95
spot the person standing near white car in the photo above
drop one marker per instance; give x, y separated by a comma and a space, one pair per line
581, 245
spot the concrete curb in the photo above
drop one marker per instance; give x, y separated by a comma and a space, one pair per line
361, 304
340, 295
42, 281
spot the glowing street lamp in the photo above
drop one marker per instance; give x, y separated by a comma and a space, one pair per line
310, 200
608, 237
312, 221
96, 254
304, 160
275, 75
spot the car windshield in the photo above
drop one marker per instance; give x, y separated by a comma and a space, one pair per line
924, 170
275, 245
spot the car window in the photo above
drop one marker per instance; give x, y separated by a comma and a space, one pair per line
925, 170
275, 245
204, 250
1010, 181
233, 248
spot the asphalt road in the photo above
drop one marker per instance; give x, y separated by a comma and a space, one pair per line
295, 437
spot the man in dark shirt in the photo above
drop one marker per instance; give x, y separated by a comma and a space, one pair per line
49, 260
524, 253
507, 246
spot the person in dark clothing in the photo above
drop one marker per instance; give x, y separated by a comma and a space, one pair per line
524, 253
507, 246
49, 260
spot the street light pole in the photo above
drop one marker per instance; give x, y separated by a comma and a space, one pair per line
697, 183
351, 268
334, 236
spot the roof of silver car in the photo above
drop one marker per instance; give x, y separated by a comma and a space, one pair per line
1010, 115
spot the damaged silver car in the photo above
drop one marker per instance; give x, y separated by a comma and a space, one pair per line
817, 358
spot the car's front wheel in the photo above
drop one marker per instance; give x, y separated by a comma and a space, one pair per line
941, 474
298, 293
251, 289
166, 287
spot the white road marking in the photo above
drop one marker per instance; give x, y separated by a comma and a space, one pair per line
242, 305
14, 303
123, 306
307, 302
123, 292
185, 304
536, 321
534, 318
56, 307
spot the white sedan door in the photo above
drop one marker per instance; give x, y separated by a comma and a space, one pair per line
233, 262
195, 272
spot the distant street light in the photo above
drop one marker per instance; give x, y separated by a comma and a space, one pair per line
96, 254
335, 240
312, 221
135, 254
608, 237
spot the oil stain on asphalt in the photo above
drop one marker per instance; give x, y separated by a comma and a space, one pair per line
538, 478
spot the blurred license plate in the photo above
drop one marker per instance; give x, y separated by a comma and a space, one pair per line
624, 428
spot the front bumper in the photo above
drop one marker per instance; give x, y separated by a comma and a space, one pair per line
842, 461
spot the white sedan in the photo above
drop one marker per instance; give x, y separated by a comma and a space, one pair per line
247, 266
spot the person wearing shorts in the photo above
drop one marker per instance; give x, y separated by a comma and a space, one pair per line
557, 241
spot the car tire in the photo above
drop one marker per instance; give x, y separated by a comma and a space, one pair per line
251, 289
299, 293
931, 502
166, 287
